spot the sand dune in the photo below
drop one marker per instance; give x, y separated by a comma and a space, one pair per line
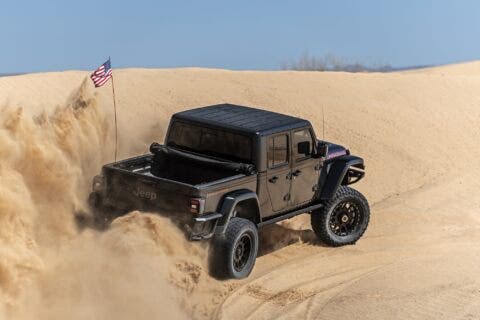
418, 132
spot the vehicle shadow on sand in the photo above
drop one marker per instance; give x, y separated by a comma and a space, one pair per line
275, 237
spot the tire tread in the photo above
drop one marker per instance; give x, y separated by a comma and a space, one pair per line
318, 216
224, 244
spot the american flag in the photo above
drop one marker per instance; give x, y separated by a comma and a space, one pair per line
102, 74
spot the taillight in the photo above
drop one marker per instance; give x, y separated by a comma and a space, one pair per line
197, 205
98, 183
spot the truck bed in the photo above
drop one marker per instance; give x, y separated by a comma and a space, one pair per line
190, 174
130, 184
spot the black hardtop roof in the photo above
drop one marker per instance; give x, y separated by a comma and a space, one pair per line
241, 118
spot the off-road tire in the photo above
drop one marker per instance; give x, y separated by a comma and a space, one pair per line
324, 221
222, 264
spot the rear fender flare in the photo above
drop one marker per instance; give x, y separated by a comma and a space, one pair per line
229, 203
336, 175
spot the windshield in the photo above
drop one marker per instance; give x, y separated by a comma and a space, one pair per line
209, 141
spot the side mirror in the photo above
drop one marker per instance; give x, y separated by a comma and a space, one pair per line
322, 149
304, 148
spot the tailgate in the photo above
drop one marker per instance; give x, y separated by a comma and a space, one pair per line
129, 191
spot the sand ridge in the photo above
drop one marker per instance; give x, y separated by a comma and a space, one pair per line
418, 132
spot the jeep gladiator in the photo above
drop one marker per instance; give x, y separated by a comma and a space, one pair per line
226, 171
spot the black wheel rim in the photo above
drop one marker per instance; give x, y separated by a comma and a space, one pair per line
242, 251
345, 218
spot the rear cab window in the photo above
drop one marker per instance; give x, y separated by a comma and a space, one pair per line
210, 141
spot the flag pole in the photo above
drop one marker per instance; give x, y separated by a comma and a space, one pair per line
115, 112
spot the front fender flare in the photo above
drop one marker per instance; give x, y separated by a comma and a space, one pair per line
337, 173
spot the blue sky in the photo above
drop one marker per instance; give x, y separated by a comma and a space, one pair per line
62, 35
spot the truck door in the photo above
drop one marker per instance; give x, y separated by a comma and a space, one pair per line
278, 171
305, 168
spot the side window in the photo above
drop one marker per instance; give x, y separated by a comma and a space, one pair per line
301, 136
277, 151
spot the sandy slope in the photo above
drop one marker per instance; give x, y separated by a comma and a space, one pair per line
418, 132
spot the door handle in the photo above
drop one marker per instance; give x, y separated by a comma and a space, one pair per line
297, 173
273, 179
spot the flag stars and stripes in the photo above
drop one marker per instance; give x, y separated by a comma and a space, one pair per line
102, 74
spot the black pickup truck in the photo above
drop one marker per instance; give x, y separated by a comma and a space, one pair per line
226, 171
